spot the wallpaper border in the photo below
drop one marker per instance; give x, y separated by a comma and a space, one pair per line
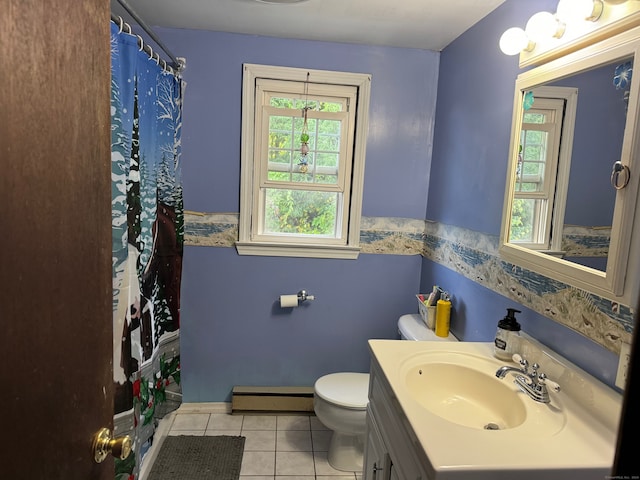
471, 254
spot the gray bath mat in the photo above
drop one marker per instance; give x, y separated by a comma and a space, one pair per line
198, 458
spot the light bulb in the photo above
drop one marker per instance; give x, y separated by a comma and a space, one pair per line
578, 10
513, 41
543, 25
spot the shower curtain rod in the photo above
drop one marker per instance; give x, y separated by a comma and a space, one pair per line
177, 64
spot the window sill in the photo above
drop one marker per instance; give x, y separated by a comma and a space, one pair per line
297, 250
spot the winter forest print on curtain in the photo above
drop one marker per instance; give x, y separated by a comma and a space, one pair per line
147, 236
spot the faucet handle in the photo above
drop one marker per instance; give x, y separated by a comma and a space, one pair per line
522, 361
543, 380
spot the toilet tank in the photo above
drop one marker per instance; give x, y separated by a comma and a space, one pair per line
411, 327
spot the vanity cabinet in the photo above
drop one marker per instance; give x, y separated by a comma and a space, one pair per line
429, 403
392, 450
376, 457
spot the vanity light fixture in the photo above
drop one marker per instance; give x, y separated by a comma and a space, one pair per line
545, 25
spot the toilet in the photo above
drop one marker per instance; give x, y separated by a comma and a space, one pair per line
340, 402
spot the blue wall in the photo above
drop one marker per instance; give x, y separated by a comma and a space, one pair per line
468, 172
403, 96
232, 331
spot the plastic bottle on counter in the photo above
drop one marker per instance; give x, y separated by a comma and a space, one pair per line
443, 316
507, 338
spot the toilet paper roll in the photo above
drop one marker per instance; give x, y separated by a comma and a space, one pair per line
288, 301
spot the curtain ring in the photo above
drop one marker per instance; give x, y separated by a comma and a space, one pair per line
618, 168
128, 28
141, 43
121, 24
157, 59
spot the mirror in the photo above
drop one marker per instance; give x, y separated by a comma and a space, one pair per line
590, 198
557, 210
573, 119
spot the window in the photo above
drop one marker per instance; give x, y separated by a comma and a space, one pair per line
293, 204
542, 174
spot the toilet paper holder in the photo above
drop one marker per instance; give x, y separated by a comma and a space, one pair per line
290, 301
303, 295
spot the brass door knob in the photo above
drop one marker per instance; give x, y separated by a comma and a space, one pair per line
104, 444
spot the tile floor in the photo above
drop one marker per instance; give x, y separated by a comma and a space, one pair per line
277, 447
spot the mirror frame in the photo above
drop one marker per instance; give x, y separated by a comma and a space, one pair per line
614, 282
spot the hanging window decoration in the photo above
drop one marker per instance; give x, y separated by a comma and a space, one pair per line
527, 103
304, 135
520, 161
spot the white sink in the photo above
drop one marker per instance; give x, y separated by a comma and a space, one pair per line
448, 392
465, 396
462, 388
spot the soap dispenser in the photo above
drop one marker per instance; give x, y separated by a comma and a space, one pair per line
507, 336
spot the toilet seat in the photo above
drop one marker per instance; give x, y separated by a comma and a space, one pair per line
349, 390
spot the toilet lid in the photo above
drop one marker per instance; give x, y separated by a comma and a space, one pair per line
344, 389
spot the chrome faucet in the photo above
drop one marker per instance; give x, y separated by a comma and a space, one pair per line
528, 380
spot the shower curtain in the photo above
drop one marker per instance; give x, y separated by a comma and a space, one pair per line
147, 242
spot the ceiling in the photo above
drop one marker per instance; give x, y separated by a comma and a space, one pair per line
424, 24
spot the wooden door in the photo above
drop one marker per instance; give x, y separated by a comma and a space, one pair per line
55, 238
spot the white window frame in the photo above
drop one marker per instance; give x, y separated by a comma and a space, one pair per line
553, 110
251, 240
556, 173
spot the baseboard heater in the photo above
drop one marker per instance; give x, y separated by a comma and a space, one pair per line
272, 400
